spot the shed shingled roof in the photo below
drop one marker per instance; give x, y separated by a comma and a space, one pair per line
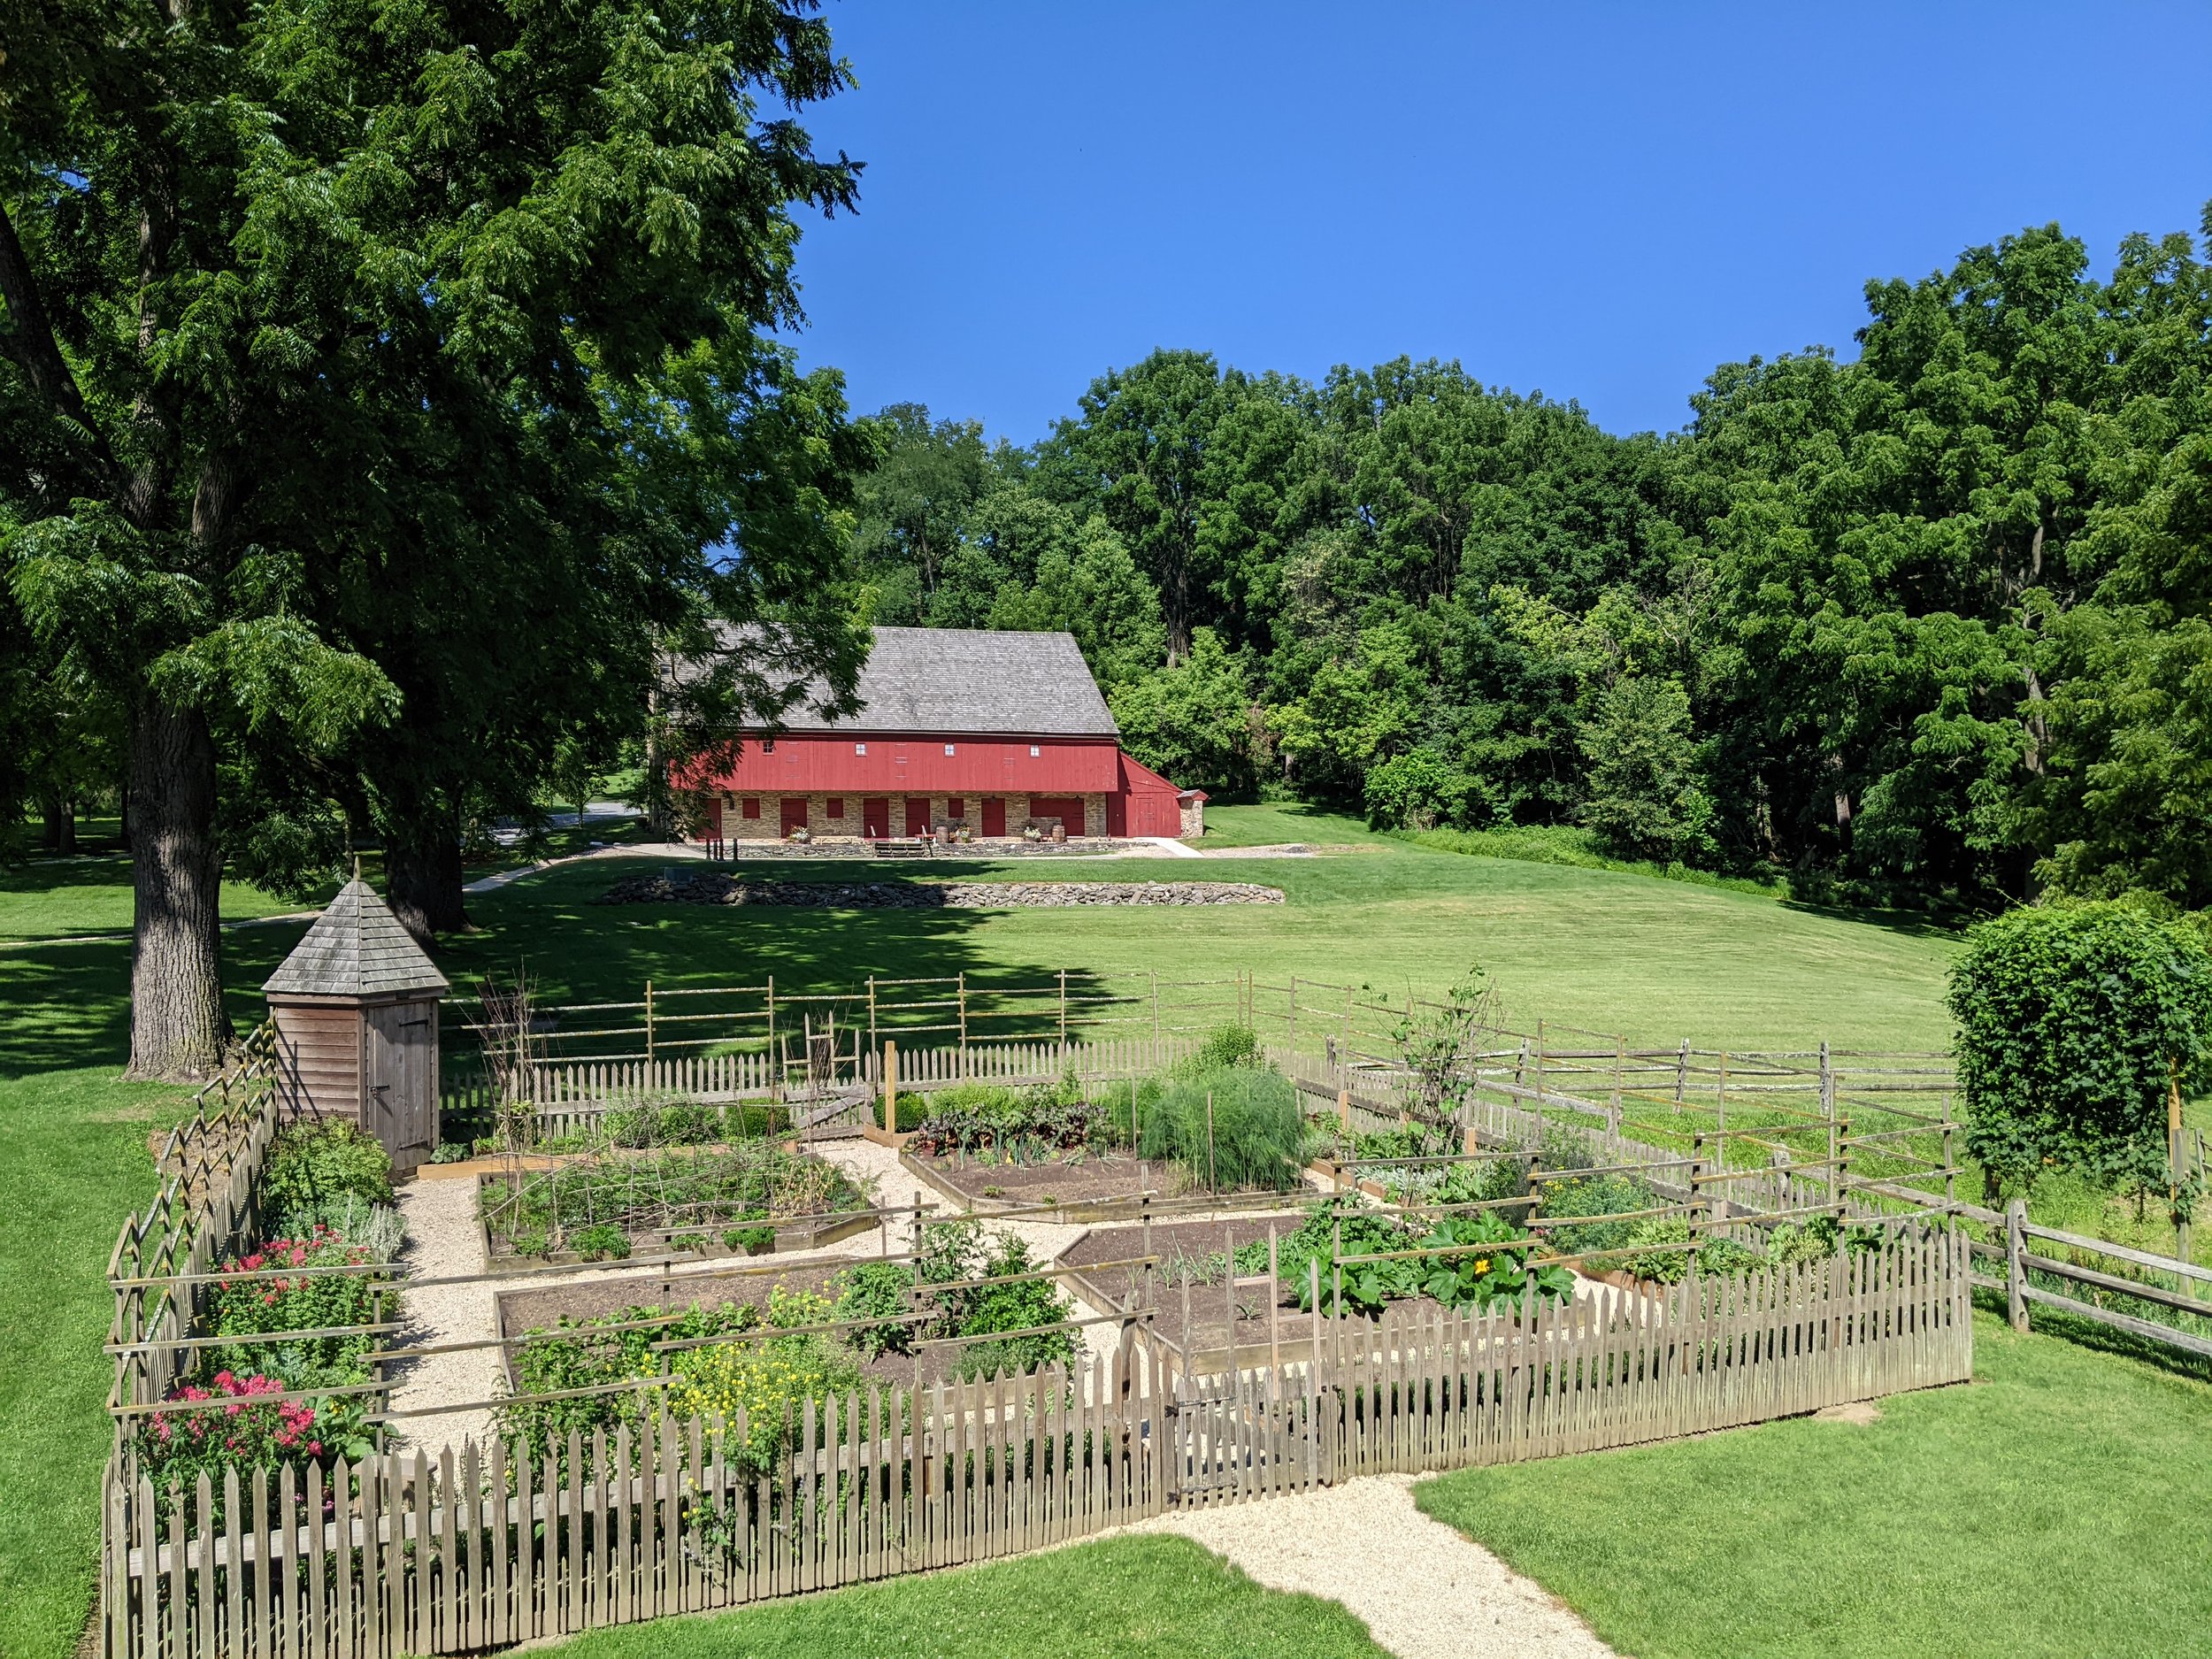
975, 681
357, 947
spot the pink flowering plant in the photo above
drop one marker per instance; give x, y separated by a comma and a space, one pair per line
244, 1422
256, 1306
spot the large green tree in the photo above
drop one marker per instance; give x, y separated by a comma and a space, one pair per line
324, 322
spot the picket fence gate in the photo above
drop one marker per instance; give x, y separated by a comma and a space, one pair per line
487, 1546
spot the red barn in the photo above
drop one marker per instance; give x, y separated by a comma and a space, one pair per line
957, 728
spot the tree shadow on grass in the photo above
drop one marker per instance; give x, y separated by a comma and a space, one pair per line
65, 1005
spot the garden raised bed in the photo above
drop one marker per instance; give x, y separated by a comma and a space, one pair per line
522, 1311
1087, 1187
810, 1232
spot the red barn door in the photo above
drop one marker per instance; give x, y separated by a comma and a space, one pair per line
793, 813
994, 815
875, 818
1068, 810
917, 815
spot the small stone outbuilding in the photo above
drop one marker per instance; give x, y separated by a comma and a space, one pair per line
355, 1010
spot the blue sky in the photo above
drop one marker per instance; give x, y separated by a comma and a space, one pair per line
1598, 201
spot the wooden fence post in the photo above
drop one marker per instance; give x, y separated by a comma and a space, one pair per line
648, 1021
890, 1088
1828, 1115
1063, 1016
1681, 1071
2016, 1268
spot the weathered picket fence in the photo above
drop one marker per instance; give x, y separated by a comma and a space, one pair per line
483, 1546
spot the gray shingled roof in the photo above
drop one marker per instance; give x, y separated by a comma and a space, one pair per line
357, 947
972, 679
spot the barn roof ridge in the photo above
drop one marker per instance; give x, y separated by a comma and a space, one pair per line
356, 947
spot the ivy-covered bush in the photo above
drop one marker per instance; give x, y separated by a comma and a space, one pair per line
2073, 1022
319, 1160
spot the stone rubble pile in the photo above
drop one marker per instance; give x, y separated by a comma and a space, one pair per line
714, 888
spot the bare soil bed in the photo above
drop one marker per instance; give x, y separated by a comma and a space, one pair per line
985, 1183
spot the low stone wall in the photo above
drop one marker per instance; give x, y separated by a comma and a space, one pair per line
715, 888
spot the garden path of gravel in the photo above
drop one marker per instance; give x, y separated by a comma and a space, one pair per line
1425, 1591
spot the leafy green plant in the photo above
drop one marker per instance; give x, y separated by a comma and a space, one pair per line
876, 1290
1603, 1195
452, 1152
1488, 1266
985, 1117
706, 1188
314, 1160
1224, 1046
1249, 1139
244, 1306
379, 1228
756, 1240
602, 1241
770, 1382
586, 1354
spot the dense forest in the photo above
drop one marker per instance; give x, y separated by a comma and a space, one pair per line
1930, 626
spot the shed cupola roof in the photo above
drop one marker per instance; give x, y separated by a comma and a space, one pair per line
357, 947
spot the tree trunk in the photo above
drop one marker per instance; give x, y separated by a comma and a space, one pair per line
178, 1027
422, 865
49, 820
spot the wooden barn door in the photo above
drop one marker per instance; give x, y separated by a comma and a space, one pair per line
917, 815
793, 814
399, 1064
875, 817
994, 815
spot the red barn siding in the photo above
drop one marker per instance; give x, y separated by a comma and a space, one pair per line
902, 765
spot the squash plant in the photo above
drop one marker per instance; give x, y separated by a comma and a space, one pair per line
1477, 1280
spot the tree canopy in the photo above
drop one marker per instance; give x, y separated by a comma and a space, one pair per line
383, 396
1930, 626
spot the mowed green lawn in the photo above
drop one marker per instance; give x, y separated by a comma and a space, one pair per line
1165, 1597
2058, 1507
1654, 959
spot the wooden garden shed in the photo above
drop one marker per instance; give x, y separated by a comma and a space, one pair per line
356, 1010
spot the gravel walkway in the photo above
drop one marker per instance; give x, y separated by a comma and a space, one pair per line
1425, 1591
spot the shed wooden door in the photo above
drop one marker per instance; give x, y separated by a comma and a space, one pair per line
793, 813
994, 815
399, 1075
917, 815
875, 817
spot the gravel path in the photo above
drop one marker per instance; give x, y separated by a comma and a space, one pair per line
1425, 1591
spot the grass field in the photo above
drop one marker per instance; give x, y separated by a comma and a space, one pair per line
2058, 1507
1658, 960
1134, 1596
